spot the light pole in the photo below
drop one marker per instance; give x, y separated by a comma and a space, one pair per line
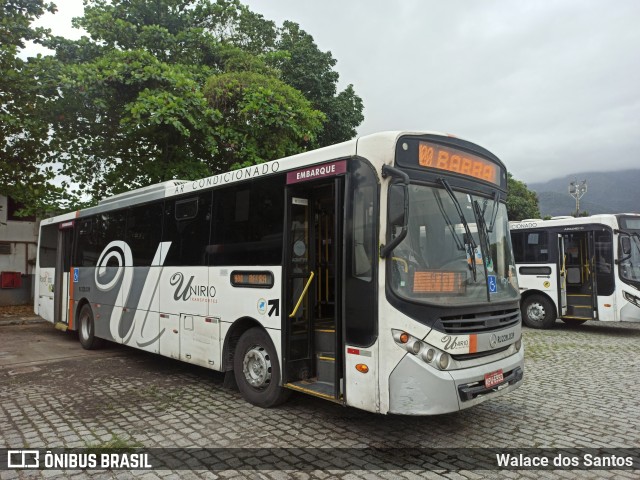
577, 191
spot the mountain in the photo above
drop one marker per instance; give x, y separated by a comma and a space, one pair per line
607, 192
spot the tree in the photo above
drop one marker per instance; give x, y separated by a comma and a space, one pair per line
310, 70
132, 108
25, 89
522, 203
261, 118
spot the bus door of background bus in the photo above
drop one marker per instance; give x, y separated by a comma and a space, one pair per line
312, 329
562, 273
581, 287
62, 281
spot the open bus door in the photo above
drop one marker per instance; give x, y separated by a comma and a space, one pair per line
61, 279
312, 328
562, 263
579, 249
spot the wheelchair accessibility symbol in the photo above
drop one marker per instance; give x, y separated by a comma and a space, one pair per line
493, 284
76, 274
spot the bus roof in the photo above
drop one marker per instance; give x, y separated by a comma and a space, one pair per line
610, 219
368, 146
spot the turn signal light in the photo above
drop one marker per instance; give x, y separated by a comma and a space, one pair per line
404, 337
362, 368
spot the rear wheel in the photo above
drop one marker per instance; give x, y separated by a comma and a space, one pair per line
87, 329
538, 312
257, 371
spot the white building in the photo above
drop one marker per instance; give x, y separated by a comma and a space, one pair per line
18, 248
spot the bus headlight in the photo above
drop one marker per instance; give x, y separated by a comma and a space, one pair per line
443, 360
422, 350
631, 298
428, 355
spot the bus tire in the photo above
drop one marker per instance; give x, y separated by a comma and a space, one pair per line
538, 312
257, 370
87, 329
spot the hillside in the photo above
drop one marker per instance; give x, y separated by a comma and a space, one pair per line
608, 192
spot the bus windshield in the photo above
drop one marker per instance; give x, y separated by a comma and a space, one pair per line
629, 257
457, 250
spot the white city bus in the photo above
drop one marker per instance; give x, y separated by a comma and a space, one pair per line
377, 273
578, 269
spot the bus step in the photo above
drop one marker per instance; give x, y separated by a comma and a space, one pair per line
326, 367
325, 340
579, 300
315, 388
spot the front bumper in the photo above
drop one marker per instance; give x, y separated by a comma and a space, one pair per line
416, 388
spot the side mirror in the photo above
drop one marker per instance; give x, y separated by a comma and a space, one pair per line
397, 216
397, 212
625, 244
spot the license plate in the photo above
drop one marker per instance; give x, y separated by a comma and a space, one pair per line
494, 378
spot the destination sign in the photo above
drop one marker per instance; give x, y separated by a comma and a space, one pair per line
438, 157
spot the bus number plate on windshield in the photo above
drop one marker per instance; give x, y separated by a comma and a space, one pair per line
494, 378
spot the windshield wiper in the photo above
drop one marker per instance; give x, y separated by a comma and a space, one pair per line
483, 232
494, 211
452, 229
471, 243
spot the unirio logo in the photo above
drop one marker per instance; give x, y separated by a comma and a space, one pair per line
195, 293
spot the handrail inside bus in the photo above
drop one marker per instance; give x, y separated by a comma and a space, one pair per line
304, 292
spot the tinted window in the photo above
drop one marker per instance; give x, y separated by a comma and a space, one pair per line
186, 225
144, 231
87, 245
248, 223
530, 247
48, 246
361, 256
604, 263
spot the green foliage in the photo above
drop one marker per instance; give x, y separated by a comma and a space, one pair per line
521, 202
310, 70
25, 86
163, 89
261, 118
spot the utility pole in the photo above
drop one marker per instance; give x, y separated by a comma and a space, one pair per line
577, 191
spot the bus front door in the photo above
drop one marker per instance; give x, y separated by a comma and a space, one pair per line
312, 324
63, 287
562, 264
579, 250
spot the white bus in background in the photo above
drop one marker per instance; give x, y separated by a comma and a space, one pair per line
377, 273
578, 269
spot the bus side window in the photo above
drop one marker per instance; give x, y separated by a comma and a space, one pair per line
186, 226
86, 252
48, 246
362, 224
144, 231
248, 223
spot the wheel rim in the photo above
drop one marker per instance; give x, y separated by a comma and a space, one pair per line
256, 367
84, 326
536, 312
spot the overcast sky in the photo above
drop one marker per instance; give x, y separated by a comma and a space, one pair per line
552, 87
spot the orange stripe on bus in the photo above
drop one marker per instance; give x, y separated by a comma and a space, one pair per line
70, 298
473, 343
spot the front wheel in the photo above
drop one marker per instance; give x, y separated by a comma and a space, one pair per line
257, 371
538, 312
87, 329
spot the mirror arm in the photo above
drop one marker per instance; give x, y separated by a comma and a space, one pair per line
388, 171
